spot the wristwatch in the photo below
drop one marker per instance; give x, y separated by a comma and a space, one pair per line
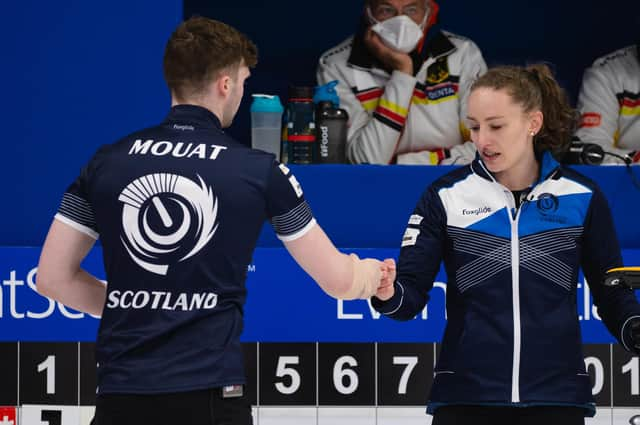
625, 276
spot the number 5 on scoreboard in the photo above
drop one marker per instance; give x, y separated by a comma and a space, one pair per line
283, 370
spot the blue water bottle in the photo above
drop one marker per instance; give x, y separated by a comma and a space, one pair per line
266, 120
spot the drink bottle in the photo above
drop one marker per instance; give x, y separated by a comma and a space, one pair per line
266, 121
331, 125
301, 130
331, 133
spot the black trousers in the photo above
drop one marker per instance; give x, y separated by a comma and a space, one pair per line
490, 415
206, 407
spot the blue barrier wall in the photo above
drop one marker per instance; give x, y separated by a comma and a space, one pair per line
283, 305
361, 207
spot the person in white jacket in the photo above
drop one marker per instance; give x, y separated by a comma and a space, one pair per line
609, 104
404, 83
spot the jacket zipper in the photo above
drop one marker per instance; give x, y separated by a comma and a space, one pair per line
515, 287
515, 278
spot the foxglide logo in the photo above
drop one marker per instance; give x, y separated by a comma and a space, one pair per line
166, 218
476, 211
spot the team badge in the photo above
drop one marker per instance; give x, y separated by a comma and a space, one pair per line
547, 203
438, 71
166, 218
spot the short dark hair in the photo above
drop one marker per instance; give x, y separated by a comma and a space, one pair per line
199, 49
534, 87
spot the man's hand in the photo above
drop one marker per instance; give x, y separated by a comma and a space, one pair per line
386, 289
393, 59
461, 154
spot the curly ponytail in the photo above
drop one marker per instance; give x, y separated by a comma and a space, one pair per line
534, 87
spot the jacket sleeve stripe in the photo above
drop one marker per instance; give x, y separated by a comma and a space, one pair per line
388, 122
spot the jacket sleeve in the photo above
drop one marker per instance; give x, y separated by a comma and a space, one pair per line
601, 252
373, 134
420, 257
599, 110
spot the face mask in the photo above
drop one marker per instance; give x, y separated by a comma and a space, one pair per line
400, 32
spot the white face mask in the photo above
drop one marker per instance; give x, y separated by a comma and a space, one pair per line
400, 32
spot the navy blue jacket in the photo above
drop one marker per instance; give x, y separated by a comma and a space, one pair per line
513, 335
178, 208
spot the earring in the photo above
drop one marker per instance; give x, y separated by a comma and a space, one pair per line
532, 133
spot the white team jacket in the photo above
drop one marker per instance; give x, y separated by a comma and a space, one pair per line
609, 103
399, 117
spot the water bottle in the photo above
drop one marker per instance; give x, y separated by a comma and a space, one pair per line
266, 120
301, 129
331, 138
331, 125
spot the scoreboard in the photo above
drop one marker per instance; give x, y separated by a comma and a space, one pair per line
54, 380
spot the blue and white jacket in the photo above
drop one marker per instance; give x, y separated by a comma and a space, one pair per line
512, 336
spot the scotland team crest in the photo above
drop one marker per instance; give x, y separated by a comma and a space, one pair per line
166, 219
